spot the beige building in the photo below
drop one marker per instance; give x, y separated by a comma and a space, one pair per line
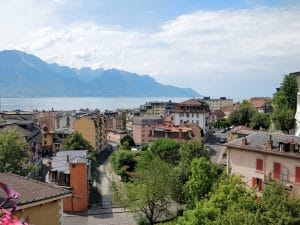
93, 129
218, 103
115, 136
261, 157
39, 203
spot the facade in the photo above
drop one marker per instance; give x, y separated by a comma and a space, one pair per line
115, 136
47, 131
39, 203
261, 157
218, 104
93, 129
58, 138
157, 108
64, 120
297, 116
115, 120
71, 169
192, 111
142, 128
216, 115
262, 104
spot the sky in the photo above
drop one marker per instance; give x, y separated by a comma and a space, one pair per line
232, 48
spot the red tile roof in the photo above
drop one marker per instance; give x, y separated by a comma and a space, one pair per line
30, 190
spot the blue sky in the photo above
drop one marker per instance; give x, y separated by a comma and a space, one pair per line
227, 48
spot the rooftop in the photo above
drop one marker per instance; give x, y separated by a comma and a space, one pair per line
282, 144
30, 190
61, 161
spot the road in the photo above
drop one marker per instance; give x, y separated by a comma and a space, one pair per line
106, 214
216, 147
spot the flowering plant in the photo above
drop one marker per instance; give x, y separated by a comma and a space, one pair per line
7, 218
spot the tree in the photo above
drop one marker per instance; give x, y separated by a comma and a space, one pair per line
166, 149
129, 140
242, 116
228, 196
277, 207
285, 104
76, 142
13, 152
122, 158
188, 151
260, 120
204, 175
150, 192
221, 123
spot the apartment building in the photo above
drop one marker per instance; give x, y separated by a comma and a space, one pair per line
261, 157
93, 128
218, 103
192, 111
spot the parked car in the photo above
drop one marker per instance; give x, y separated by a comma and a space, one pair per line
222, 140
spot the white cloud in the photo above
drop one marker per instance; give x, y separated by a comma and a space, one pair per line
225, 52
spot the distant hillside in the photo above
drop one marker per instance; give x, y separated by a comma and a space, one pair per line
25, 75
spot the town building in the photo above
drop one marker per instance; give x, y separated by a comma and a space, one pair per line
93, 128
39, 203
183, 132
58, 138
157, 108
142, 128
262, 104
115, 120
72, 170
114, 136
46, 122
261, 157
297, 115
216, 115
217, 103
64, 120
192, 111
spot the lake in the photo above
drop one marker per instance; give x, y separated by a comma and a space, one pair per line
70, 103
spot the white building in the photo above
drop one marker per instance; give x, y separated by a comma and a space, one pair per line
192, 111
297, 116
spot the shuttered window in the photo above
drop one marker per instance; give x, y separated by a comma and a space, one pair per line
297, 174
259, 164
277, 171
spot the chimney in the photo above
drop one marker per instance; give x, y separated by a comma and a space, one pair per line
270, 143
244, 141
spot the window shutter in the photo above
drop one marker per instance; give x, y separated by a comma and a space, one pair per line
297, 175
277, 167
259, 164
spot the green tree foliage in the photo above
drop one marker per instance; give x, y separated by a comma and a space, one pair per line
129, 140
277, 207
150, 192
260, 120
204, 175
190, 150
229, 195
13, 152
122, 158
221, 123
242, 116
76, 142
166, 149
285, 104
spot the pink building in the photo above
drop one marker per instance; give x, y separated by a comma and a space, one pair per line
261, 157
142, 129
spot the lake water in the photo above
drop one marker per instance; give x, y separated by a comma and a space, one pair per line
67, 103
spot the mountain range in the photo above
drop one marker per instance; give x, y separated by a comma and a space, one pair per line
25, 75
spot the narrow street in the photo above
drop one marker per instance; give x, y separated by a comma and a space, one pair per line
107, 213
217, 149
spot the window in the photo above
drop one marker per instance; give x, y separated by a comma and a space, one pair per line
187, 115
45, 142
259, 165
297, 175
45, 135
180, 114
276, 173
